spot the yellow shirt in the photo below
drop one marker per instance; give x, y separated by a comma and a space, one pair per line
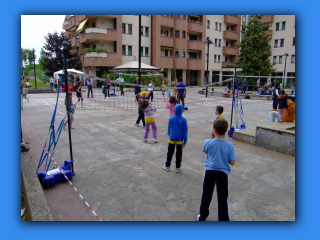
163, 86
220, 117
176, 142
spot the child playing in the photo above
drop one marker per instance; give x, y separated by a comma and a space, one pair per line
171, 105
24, 92
106, 89
219, 111
220, 154
163, 88
70, 111
141, 97
178, 137
79, 94
149, 111
282, 104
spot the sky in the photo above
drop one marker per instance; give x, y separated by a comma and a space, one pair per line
35, 27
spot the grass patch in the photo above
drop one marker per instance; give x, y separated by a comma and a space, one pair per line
39, 84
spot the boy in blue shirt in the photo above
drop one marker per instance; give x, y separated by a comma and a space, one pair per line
220, 154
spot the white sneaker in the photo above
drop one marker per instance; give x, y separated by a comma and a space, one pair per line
155, 140
198, 216
137, 124
146, 140
178, 170
166, 168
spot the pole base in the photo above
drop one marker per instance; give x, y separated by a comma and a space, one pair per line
230, 132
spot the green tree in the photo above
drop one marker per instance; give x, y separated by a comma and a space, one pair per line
255, 50
54, 53
41, 62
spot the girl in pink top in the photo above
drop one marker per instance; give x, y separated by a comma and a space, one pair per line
171, 105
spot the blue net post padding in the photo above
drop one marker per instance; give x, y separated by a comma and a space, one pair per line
239, 113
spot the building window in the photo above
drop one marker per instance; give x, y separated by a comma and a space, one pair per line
177, 16
293, 41
193, 37
283, 26
281, 42
216, 26
243, 18
276, 43
183, 34
123, 28
146, 52
94, 47
141, 50
220, 26
176, 53
192, 55
184, 16
293, 58
129, 50
183, 52
129, 28
218, 58
115, 46
146, 31
177, 33
274, 59
166, 53
249, 18
280, 59
123, 50
215, 58
277, 26
219, 42
208, 24
141, 31
216, 42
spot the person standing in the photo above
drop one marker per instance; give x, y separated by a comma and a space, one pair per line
106, 89
149, 111
182, 92
70, 111
275, 96
282, 102
141, 96
244, 86
150, 89
220, 154
293, 88
136, 87
51, 82
178, 137
25, 92
163, 88
121, 85
89, 83
79, 94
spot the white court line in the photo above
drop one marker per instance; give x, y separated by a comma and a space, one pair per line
53, 107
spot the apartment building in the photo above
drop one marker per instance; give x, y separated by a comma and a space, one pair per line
176, 43
115, 36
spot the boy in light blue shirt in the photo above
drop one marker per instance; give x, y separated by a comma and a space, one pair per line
220, 155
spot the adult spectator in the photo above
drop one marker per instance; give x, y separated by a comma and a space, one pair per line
89, 84
289, 113
121, 85
244, 86
51, 82
181, 92
136, 87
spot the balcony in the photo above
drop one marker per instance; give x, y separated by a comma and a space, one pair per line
96, 30
196, 27
96, 54
194, 64
196, 45
165, 21
227, 64
166, 62
267, 19
86, 38
231, 19
230, 51
113, 60
166, 41
229, 35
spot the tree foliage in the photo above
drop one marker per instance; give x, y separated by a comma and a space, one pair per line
255, 50
54, 52
27, 56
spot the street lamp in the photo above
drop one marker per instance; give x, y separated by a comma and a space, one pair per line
65, 45
34, 68
285, 65
208, 41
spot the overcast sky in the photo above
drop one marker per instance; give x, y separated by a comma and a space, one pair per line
35, 27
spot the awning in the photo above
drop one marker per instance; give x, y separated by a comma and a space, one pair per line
196, 16
81, 25
166, 48
194, 33
73, 29
194, 51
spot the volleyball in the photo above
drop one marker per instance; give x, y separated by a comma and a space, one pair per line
162, 70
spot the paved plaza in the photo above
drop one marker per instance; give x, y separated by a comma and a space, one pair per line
121, 176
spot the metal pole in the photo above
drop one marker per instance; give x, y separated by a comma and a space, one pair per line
284, 75
139, 50
68, 106
34, 67
232, 102
207, 75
